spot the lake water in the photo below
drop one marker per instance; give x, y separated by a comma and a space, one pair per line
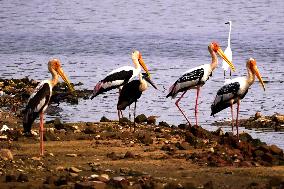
91, 38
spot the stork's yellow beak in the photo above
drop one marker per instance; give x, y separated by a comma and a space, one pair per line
65, 78
222, 54
258, 76
142, 63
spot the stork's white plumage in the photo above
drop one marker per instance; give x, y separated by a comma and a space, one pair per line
39, 99
196, 77
120, 76
228, 51
234, 90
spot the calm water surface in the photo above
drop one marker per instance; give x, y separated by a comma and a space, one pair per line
92, 38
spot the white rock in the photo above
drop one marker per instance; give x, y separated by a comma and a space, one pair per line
5, 128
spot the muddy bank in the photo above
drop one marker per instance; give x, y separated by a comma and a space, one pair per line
258, 121
14, 93
110, 155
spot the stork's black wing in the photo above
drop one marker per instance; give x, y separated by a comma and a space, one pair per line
224, 96
129, 94
38, 100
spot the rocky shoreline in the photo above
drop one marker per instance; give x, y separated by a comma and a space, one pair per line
108, 154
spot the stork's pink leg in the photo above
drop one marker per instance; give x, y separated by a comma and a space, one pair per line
41, 133
237, 119
196, 105
181, 109
232, 113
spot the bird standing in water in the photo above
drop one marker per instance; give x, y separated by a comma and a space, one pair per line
39, 99
196, 77
228, 52
119, 77
234, 90
132, 91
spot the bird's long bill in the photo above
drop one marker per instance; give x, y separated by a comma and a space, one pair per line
147, 78
222, 54
259, 77
65, 78
142, 63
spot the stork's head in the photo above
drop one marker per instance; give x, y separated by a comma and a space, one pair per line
54, 64
229, 22
251, 64
214, 46
136, 55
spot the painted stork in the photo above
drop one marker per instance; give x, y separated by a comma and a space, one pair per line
196, 77
39, 99
132, 91
228, 52
119, 77
234, 90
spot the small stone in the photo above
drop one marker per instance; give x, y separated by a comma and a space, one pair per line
257, 115
104, 119
74, 170
268, 157
113, 156
276, 150
90, 185
129, 155
51, 154
36, 158
6, 154
59, 168
103, 178
50, 180
140, 118
73, 174
71, 155
90, 130
23, 178
151, 120
164, 124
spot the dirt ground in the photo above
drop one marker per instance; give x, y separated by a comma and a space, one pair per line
109, 155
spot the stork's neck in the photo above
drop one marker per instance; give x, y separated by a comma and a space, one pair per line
54, 79
143, 84
214, 62
250, 76
229, 37
136, 63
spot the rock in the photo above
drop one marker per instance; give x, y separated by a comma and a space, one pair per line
151, 120
74, 170
10, 178
90, 130
141, 118
268, 157
164, 124
23, 178
103, 178
245, 137
124, 121
104, 119
73, 174
6, 154
264, 148
173, 185
129, 155
113, 156
219, 132
36, 158
191, 139
276, 150
90, 185
279, 119
62, 180
120, 182
59, 168
50, 180
71, 155
145, 138
183, 145
258, 153
169, 147
257, 115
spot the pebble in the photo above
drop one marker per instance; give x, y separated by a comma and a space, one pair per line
59, 168
73, 174
36, 158
71, 155
74, 170
6, 154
